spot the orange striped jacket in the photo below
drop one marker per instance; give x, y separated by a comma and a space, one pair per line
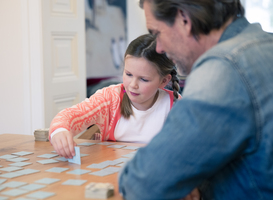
102, 109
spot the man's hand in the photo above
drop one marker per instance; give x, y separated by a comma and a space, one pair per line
194, 195
63, 144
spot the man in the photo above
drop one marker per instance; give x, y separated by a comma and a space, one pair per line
219, 137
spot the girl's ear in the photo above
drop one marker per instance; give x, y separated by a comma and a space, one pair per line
165, 81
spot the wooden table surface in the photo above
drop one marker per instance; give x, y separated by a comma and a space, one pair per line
12, 143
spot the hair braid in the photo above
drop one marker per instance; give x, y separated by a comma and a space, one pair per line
126, 108
175, 83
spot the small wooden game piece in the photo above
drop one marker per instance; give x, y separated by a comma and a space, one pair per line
99, 190
41, 134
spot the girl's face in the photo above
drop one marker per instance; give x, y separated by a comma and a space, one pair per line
141, 81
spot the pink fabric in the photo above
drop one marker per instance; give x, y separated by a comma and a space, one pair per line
102, 109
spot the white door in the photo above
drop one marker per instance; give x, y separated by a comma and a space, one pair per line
63, 34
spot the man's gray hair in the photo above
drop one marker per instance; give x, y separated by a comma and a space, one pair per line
205, 15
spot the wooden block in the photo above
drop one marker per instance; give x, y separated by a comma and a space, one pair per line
99, 190
41, 134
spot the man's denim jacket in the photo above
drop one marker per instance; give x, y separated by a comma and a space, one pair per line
219, 137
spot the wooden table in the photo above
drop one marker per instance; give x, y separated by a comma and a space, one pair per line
12, 143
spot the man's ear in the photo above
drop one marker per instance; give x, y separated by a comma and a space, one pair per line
184, 21
165, 81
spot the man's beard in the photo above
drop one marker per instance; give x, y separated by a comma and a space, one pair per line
182, 69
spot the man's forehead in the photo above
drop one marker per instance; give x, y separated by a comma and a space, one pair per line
150, 19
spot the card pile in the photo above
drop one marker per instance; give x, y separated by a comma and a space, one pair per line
99, 190
41, 135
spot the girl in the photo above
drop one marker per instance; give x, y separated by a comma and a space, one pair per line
130, 112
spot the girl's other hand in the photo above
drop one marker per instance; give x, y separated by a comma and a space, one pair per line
97, 136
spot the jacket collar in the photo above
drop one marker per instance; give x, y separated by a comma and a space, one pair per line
234, 29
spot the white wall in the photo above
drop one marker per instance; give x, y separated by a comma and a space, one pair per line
21, 83
14, 80
136, 22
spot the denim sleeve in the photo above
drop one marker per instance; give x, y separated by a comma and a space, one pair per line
209, 127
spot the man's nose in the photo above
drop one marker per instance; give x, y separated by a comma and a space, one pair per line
159, 48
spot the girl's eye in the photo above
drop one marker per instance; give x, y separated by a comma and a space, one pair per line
145, 80
128, 74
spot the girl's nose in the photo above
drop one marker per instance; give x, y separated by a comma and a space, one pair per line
134, 84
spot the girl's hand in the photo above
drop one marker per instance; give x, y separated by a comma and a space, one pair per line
194, 195
97, 136
63, 144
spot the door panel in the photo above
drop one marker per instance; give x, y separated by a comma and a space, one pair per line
63, 55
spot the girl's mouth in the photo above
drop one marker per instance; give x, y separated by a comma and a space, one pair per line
134, 94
